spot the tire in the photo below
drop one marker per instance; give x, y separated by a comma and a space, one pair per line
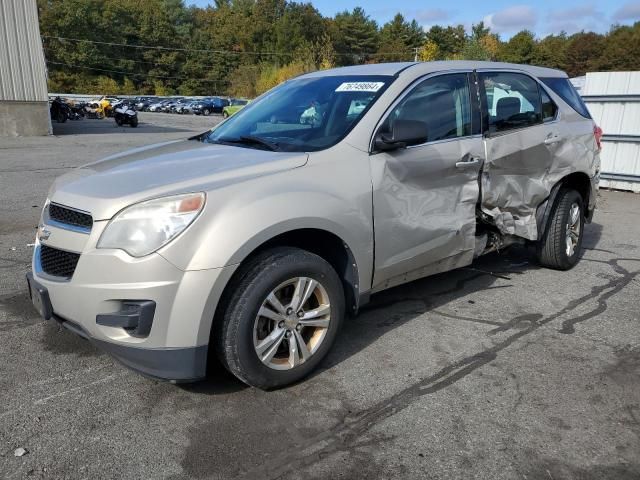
240, 332
206, 112
225, 114
61, 118
553, 250
133, 122
119, 121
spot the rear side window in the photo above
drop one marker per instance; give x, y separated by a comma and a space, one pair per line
513, 101
549, 109
563, 88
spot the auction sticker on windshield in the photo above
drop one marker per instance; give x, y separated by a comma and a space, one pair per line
360, 87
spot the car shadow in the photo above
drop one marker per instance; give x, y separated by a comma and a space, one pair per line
402, 304
393, 308
108, 126
592, 236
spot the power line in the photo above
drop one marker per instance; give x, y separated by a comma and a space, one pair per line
231, 52
49, 49
130, 74
157, 47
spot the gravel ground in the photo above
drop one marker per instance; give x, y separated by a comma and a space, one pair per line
499, 371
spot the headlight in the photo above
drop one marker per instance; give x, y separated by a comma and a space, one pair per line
145, 227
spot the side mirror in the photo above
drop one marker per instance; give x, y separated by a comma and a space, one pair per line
404, 132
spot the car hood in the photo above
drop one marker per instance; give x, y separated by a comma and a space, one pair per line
105, 187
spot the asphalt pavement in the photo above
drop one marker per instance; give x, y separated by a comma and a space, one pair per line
503, 370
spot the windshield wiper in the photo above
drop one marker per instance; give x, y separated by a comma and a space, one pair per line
250, 139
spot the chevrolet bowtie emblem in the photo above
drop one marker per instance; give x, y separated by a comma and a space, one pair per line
43, 233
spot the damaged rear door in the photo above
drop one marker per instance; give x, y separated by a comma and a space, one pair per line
519, 149
425, 195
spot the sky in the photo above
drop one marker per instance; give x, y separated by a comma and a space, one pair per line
543, 17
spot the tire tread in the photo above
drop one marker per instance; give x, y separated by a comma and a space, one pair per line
551, 248
227, 326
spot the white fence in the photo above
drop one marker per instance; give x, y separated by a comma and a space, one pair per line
613, 98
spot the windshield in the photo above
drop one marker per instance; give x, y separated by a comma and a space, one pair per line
301, 115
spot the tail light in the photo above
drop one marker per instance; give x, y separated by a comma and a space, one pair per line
597, 133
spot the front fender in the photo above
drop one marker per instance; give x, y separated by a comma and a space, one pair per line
241, 217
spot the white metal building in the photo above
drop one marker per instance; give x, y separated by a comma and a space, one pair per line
613, 98
24, 105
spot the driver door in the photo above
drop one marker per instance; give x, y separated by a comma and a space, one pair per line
425, 195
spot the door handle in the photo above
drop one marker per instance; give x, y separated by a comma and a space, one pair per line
551, 139
468, 163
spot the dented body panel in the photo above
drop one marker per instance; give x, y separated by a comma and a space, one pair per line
424, 209
523, 166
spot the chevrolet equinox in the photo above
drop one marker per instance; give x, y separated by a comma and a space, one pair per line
252, 241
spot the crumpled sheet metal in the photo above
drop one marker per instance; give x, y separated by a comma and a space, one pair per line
425, 210
519, 174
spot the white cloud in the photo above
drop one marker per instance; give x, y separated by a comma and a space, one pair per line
575, 19
512, 19
629, 11
574, 13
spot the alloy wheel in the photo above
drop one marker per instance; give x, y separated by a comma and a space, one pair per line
573, 229
292, 323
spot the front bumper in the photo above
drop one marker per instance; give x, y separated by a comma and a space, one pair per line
106, 282
177, 365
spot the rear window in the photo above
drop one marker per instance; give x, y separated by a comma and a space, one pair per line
563, 88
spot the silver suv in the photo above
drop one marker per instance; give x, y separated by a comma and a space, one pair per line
252, 241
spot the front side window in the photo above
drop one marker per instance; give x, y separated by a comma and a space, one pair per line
549, 109
303, 114
442, 103
513, 101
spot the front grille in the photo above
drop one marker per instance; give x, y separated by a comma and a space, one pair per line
69, 216
58, 263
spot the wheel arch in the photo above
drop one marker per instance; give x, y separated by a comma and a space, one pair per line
578, 181
323, 243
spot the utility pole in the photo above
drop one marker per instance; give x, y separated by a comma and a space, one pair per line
415, 57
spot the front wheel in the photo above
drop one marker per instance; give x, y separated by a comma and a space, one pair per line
206, 112
560, 246
284, 311
133, 122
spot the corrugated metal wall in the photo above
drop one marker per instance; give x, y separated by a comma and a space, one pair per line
613, 98
22, 66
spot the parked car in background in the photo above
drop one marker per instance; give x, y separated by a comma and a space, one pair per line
207, 106
187, 108
235, 104
179, 104
142, 103
158, 106
252, 241
167, 108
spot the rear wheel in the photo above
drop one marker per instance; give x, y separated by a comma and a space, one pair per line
281, 318
562, 241
119, 121
206, 112
133, 122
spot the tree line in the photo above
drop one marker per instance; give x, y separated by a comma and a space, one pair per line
245, 47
